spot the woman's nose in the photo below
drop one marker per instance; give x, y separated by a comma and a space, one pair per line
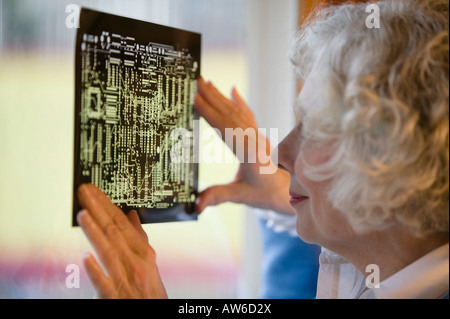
286, 152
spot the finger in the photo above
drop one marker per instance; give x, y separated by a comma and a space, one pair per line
133, 239
215, 99
105, 250
205, 90
214, 118
204, 108
96, 202
238, 100
111, 219
102, 283
133, 217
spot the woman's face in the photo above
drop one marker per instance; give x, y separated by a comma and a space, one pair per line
317, 220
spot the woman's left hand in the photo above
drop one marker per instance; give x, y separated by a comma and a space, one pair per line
122, 247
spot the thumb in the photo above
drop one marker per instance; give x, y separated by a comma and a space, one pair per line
216, 195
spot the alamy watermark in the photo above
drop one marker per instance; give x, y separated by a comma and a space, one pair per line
73, 277
373, 277
373, 19
73, 10
249, 146
244, 143
73, 17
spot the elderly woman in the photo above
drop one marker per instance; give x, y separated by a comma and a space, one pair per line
366, 169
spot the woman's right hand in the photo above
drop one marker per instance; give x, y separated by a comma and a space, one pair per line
258, 183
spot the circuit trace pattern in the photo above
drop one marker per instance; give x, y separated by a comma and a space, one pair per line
133, 96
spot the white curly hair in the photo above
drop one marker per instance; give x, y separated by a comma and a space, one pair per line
386, 111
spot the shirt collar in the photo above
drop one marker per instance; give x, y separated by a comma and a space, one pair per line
427, 277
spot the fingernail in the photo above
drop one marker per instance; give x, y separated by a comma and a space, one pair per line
86, 255
80, 215
83, 190
198, 210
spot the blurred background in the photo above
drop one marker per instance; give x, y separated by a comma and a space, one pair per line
245, 44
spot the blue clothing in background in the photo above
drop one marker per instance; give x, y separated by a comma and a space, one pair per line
289, 266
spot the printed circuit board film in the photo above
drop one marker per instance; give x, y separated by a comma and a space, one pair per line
134, 97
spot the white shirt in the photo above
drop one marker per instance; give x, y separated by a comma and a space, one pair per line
427, 277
